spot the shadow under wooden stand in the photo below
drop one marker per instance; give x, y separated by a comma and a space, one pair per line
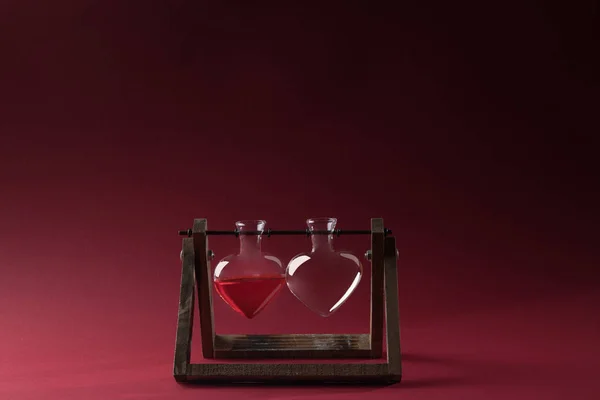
197, 277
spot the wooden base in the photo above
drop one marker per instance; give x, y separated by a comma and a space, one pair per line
197, 273
267, 373
292, 346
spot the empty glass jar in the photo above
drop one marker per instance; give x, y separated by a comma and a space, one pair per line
323, 278
250, 280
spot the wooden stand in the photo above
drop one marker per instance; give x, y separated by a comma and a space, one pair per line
197, 273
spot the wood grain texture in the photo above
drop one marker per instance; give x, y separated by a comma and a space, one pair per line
204, 286
392, 311
185, 319
377, 294
306, 346
235, 372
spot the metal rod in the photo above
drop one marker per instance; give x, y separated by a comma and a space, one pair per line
270, 232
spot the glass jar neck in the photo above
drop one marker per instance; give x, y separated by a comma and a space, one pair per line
321, 241
250, 243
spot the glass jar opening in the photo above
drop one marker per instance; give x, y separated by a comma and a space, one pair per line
250, 225
321, 223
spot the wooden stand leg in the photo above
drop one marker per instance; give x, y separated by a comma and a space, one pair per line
204, 285
185, 319
392, 313
377, 293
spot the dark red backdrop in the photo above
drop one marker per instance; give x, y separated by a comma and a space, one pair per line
468, 128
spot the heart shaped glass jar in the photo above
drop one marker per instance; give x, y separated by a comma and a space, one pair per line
323, 278
250, 280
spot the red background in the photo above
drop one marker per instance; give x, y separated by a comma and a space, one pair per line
468, 128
